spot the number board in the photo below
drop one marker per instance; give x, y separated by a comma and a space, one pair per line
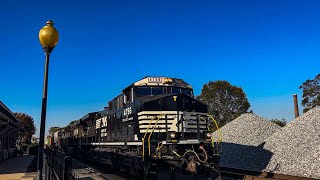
155, 79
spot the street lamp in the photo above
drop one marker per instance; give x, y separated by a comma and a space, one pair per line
48, 37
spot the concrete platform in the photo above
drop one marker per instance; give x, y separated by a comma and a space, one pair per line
16, 169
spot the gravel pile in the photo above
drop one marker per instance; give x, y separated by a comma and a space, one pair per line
296, 147
243, 139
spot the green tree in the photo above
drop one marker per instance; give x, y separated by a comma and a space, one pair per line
310, 93
225, 101
28, 126
281, 122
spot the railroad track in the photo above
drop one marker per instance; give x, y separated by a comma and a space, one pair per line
91, 168
103, 169
94, 168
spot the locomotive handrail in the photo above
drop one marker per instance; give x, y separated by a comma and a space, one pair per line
145, 134
218, 129
149, 145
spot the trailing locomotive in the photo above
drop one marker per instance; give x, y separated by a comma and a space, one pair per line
154, 128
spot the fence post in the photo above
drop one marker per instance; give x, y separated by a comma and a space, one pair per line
49, 164
45, 165
67, 167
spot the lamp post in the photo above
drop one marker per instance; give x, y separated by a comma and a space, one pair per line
48, 37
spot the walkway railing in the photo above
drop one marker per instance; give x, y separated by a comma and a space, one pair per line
58, 166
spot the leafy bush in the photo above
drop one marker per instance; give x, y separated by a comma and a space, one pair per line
33, 149
24, 147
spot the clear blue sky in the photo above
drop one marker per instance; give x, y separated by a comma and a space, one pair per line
267, 47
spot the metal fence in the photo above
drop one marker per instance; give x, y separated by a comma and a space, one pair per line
58, 166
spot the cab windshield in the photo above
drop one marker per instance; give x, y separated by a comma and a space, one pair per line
153, 91
187, 91
149, 91
143, 91
182, 91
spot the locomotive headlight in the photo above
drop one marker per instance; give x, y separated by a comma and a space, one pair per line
208, 135
173, 135
167, 80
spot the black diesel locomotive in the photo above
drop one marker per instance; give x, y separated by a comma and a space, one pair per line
155, 128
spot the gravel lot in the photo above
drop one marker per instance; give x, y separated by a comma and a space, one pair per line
296, 147
243, 139
253, 143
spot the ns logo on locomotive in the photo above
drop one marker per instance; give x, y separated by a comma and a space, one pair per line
155, 128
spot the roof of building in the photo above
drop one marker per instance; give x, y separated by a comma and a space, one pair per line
6, 116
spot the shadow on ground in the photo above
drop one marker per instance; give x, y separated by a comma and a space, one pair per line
244, 157
17, 164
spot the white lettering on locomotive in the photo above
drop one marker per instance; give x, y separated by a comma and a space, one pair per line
127, 111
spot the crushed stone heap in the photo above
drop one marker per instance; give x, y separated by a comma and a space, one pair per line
296, 147
243, 138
